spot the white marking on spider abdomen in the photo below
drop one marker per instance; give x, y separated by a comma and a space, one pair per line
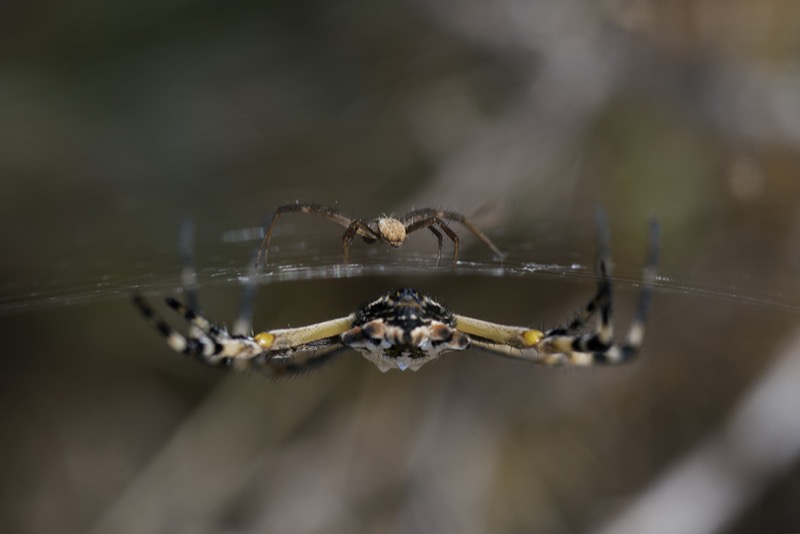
392, 347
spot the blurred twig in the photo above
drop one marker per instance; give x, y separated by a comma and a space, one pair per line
707, 489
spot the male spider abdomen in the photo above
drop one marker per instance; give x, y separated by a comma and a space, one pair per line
386, 229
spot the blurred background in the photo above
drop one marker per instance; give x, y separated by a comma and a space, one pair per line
120, 120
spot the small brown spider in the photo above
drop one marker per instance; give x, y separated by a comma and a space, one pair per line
386, 230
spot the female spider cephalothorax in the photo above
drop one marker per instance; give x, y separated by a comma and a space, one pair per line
386, 230
404, 329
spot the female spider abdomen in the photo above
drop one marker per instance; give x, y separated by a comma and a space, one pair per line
404, 330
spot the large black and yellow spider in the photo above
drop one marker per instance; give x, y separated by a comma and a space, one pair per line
387, 230
404, 329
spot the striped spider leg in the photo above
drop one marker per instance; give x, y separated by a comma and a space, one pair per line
565, 345
273, 352
276, 353
385, 229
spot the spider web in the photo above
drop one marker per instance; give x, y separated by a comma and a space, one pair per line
313, 257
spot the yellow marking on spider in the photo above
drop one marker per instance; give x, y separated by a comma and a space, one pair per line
265, 340
532, 337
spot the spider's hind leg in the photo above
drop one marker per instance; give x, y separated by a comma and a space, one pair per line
453, 237
206, 342
357, 227
438, 235
418, 222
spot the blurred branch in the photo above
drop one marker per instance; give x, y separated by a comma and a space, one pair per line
574, 73
715, 482
206, 460
579, 62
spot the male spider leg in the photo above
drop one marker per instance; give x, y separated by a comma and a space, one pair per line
429, 222
357, 227
453, 216
438, 235
326, 211
472, 228
452, 235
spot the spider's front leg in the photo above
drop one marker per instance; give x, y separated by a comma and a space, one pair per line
207, 342
275, 353
326, 211
565, 345
438, 235
291, 351
357, 227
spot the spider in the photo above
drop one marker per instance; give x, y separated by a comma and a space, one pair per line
384, 229
405, 329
